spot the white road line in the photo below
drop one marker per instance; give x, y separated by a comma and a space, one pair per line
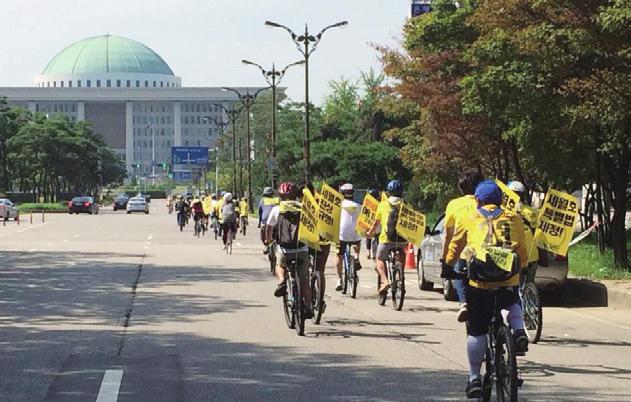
238, 244
65, 240
77, 235
150, 236
110, 386
31, 250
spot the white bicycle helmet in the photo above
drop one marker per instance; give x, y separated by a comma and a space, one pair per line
227, 197
347, 189
517, 186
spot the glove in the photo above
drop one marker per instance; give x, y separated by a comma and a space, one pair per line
446, 271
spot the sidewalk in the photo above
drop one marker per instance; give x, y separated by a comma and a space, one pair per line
604, 293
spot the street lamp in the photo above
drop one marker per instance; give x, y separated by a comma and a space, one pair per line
247, 101
232, 114
273, 78
306, 45
221, 124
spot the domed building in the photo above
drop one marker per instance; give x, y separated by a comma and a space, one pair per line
132, 98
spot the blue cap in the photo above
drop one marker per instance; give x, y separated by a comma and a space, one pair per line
488, 192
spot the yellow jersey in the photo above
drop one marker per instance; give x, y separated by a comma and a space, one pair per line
382, 215
456, 210
471, 233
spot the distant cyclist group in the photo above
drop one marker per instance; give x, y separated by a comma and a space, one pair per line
477, 229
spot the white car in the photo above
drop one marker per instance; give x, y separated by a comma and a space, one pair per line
137, 204
8, 210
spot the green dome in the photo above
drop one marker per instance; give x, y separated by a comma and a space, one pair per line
107, 54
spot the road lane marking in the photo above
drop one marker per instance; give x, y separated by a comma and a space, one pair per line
77, 235
31, 250
150, 236
583, 314
65, 240
110, 386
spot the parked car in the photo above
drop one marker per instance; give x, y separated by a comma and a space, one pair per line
83, 204
121, 202
551, 273
146, 196
8, 210
137, 204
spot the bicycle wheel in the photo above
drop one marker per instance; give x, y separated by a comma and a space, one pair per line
299, 308
488, 376
398, 287
354, 280
533, 312
345, 271
288, 306
317, 297
381, 298
271, 256
505, 366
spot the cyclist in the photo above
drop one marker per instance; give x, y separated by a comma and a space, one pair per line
218, 207
181, 206
385, 210
529, 216
244, 211
455, 211
489, 224
348, 234
371, 243
197, 210
266, 204
321, 256
285, 217
229, 218
214, 213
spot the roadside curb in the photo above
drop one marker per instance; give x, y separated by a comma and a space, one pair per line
589, 293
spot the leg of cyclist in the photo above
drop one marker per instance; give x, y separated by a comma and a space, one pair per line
515, 318
321, 258
305, 287
339, 264
480, 314
383, 252
281, 259
459, 284
356, 248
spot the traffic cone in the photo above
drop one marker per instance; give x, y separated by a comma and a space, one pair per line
410, 260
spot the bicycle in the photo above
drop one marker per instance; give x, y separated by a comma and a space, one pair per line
317, 296
244, 224
215, 226
531, 304
293, 303
181, 220
350, 279
500, 360
395, 272
229, 239
271, 256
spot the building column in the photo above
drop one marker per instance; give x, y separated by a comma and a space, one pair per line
80, 111
129, 136
32, 107
177, 124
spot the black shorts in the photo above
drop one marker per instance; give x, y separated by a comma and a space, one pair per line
480, 306
343, 245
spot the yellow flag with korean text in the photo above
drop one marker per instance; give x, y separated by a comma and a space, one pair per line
367, 215
308, 229
411, 224
330, 209
510, 199
556, 221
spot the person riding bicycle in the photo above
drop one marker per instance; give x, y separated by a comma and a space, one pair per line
387, 211
455, 211
266, 204
348, 234
181, 207
285, 217
489, 226
197, 210
229, 218
371, 243
218, 206
529, 216
244, 210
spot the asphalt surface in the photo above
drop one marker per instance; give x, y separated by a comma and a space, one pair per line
129, 308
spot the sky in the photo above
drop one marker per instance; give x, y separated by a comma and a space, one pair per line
204, 41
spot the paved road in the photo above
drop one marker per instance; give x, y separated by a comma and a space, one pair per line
98, 306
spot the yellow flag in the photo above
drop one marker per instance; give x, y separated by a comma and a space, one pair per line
367, 215
555, 225
510, 199
411, 224
384, 196
308, 229
330, 204
207, 205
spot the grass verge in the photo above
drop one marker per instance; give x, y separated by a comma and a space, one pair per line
587, 262
46, 207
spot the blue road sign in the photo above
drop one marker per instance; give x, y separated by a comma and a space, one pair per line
420, 7
189, 155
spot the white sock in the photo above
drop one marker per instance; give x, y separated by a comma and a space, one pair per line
476, 348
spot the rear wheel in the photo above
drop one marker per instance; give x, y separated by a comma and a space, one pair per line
449, 290
346, 261
420, 274
288, 307
299, 308
317, 297
488, 376
505, 366
533, 312
398, 287
381, 298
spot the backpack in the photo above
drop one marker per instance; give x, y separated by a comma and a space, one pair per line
391, 228
288, 224
486, 270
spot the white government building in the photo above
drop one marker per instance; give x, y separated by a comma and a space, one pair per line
128, 93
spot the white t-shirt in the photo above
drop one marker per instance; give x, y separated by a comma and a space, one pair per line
348, 221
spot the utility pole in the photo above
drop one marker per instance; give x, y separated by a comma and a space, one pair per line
306, 45
232, 114
273, 78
